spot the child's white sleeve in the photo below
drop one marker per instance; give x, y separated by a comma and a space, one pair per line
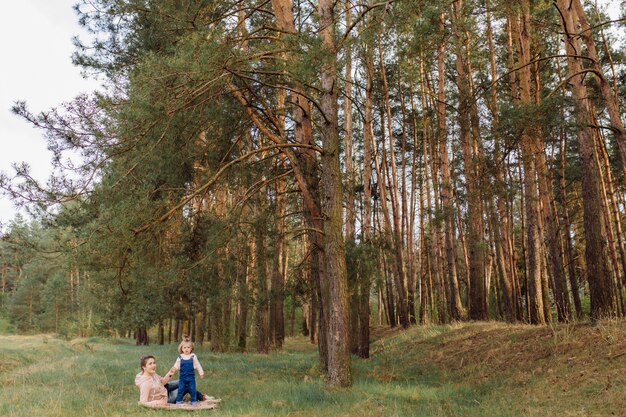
196, 364
177, 364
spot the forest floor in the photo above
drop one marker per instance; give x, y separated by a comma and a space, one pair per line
464, 369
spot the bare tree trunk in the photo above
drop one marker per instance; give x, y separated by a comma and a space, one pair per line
353, 280
499, 219
347, 125
243, 294
277, 292
161, 333
395, 229
530, 148
365, 285
569, 252
260, 294
406, 237
411, 259
477, 292
457, 312
425, 299
598, 275
339, 360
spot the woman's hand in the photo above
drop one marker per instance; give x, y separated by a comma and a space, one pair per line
172, 371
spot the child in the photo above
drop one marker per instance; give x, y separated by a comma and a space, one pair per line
187, 363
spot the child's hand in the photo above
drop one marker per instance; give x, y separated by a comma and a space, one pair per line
201, 376
173, 370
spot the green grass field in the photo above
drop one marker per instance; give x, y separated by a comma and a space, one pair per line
485, 369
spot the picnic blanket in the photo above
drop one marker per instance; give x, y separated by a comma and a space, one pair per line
207, 404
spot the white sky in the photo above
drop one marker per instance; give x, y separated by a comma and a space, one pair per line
36, 46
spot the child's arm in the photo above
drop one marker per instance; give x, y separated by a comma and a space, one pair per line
196, 365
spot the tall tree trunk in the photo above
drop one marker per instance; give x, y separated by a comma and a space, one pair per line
396, 230
477, 299
308, 181
365, 284
350, 185
411, 259
243, 294
569, 251
277, 292
457, 311
260, 294
598, 275
339, 361
347, 127
530, 145
499, 218
406, 234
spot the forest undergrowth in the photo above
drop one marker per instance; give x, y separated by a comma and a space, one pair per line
463, 369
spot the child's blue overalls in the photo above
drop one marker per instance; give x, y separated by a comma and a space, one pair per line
187, 380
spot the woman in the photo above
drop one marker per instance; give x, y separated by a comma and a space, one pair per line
154, 390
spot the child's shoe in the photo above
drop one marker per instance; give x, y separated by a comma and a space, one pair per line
179, 403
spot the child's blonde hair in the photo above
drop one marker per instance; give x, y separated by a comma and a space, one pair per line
186, 341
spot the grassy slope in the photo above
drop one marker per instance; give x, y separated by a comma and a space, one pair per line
478, 369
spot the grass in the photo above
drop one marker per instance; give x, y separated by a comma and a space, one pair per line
470, 369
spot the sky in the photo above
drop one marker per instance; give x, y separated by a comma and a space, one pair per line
36, 49
36, 46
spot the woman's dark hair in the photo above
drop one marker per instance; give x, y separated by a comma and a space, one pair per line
144, 359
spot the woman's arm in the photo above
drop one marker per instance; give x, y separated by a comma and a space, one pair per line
168, 376
144, 392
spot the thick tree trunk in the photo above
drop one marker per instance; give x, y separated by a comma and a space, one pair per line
598, 275
339, 361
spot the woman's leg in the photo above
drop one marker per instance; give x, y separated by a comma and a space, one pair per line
172, 391
199, 396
